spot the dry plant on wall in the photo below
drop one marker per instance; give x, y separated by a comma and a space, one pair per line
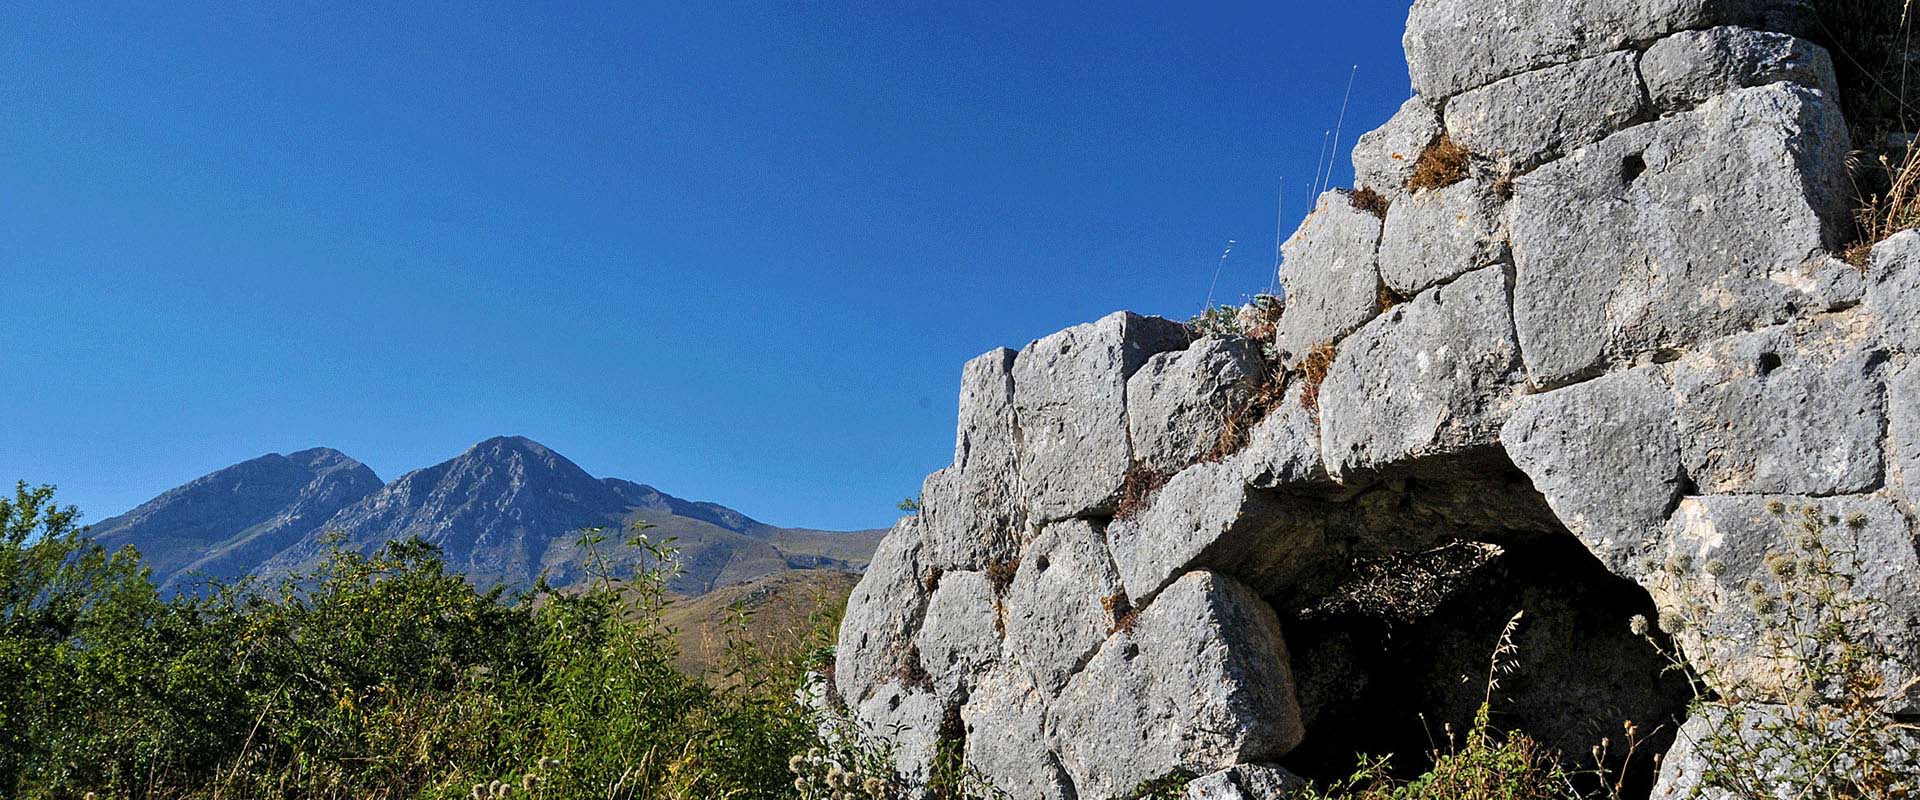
1442, 164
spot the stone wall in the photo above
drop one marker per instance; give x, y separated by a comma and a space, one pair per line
1602, 360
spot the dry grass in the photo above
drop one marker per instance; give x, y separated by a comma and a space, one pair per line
1885, 214
1245, 412
1137, 491
1442, 164
1313, 370
1001, 573
1370, 201
1388, 298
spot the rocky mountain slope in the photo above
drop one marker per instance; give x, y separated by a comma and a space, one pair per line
507, 511
1581, 345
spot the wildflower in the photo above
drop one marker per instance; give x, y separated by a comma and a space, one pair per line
528, 781
875, 787
796, 763
479, 791
1776, 507
1638, 624
1782, 566
1716, 567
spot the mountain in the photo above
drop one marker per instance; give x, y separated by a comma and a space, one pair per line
225, 523
506, 511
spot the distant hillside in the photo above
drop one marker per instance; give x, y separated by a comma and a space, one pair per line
506, 511
781, 611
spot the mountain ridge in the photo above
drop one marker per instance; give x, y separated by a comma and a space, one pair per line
506, 511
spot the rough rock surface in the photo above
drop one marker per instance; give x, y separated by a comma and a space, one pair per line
1246, 782
1726, 738
1433, 376
1070, 405
1005, 722
973, 509
1437, 235
1456, 45
1331, 276
1666, 234
1692, 66
1788, 409
1531, 118
1721, 552
958, 636
1064, 600
1384, 159
1591, 385
1606, 455
1200, 681
1178, 404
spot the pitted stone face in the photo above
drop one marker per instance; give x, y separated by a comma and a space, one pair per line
1571, 384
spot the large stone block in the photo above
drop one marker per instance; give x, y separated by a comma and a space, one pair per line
1433, 376
1283, 449
1200, 682
1700, 225
1534, 117
959, 634
1725, 564
1793, 409
1688, 67
904, 722
1005, 721
1383, 159
1178, 404
1894, 268
1247, 782
1438, 235
882, 615
1456, 45
1331, 276
1070, 403
972, 510
1606, 455
1776, 750
1064, 600
1207, 516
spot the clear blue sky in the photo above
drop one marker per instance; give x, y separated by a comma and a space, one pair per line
739, 251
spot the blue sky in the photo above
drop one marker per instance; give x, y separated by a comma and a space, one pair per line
738, 251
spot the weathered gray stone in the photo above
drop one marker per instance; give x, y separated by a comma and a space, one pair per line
1246, 782
1903, 429
1691, 66
1791, 409
972, 510
959, 634
882, 615
1206, 516
1331, 276
1534, 117
1456, 45
1666, 234
1005, 720
907, 720
1064, 600
1070, 405
1766, 748
1283, 449
1200, 682
1435, 375
1606, 455
1178, 404
1894, 269
1440, 234
1721, 555
1383, 159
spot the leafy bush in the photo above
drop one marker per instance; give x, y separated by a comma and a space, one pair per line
376, 675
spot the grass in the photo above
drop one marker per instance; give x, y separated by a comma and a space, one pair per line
1442, 164
1313, 372
1370, 201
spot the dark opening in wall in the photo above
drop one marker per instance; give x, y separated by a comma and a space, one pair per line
1396, 645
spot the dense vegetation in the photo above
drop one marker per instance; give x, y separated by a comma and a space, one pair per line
374, 676
386, 676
